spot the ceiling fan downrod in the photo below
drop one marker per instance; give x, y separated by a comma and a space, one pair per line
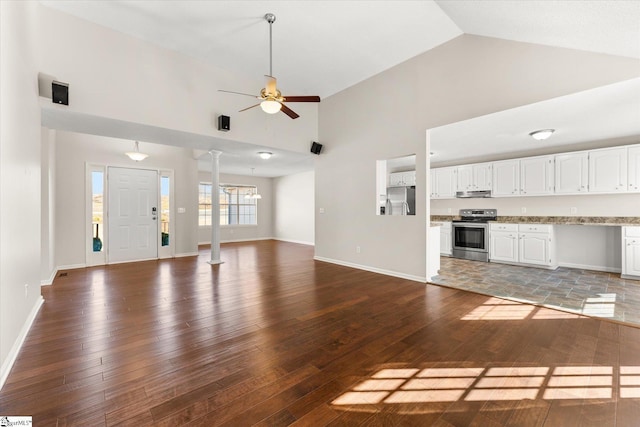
270, 18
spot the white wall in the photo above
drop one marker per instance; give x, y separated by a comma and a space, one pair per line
20, 141
387, 115
589, 247
118, 76
74, 150
294, 208
230, 233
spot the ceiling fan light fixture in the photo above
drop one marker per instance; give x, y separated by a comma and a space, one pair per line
270, 106
136, 155
542, 134
265, 155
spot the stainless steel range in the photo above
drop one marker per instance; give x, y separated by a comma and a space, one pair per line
470, 234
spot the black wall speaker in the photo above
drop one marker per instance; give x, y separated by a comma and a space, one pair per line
316, 148
224, 123
60, 92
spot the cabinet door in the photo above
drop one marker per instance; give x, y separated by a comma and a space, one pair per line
506, 178
395, 179
634, 168
445, 241
465, 178
432, 187
444, 183
409, 178
534, 248
536, 176
631, 255
504, 246
608, 170
482, 176
571, 173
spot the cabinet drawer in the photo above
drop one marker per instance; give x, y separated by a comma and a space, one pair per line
503, 227
534, 228
631, 231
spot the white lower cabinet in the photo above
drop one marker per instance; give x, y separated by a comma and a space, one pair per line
530, 244
631, 252
445, 239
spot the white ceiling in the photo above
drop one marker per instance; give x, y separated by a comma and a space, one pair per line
323, 47
582, 120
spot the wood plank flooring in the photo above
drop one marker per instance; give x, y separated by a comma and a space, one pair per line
272, 338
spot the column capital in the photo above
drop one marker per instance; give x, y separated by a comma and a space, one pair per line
215, 153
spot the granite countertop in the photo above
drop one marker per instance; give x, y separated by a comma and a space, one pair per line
558, 220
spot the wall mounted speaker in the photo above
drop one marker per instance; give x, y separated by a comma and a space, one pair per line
224, 123
60, 92
316, 148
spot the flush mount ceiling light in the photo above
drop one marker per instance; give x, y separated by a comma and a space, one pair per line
542, 134
265, 155
136, 154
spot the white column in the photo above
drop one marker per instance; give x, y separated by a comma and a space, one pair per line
215, 207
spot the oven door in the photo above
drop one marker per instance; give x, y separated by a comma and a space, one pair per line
470, 237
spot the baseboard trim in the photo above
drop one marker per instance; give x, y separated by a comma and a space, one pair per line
49, 281
17, 345
71, 267
246, 240
300, 242
186, 254
372, 269
590, 267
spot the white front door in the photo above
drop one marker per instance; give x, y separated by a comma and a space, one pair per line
133, 214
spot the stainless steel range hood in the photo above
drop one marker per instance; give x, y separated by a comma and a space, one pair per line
473, 194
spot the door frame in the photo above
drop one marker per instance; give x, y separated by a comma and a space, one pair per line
100, 258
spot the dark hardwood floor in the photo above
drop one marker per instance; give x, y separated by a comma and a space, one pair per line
272, 337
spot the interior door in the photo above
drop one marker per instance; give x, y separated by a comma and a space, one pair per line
133, 214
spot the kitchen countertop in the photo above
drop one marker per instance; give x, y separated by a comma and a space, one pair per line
558, 220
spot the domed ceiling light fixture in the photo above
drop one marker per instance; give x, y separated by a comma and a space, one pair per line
542, 134
136, 154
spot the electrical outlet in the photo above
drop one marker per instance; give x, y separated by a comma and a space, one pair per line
321, 210
448, 210
524, 210
357, 249
26, 290
574, 210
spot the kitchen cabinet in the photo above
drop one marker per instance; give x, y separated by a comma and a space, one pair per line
537, 176
530, 244
608, 170
503, 242
445, 239
572, 173
402, 178
443, 183
633, 157
631, 252
531, 176
475, 177
506, 178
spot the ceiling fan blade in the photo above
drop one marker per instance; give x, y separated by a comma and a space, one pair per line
237, 93
289, 112
270, 85
248, 108
302, 98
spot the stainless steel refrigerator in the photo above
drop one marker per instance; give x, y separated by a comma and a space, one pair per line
401, 201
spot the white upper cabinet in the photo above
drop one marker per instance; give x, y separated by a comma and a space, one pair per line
402, 178
572, 173
506, 178
537, 176
608, 170
474, 177
634, 168
443, 183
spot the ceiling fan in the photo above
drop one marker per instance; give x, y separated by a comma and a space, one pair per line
271, 100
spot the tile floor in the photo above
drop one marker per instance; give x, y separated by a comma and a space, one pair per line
591, 293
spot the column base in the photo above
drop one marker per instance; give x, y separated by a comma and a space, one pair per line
215, 261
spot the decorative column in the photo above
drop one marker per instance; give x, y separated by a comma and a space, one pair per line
215, 207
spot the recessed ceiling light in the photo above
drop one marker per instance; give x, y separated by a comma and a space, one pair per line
265, 155
542, 134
